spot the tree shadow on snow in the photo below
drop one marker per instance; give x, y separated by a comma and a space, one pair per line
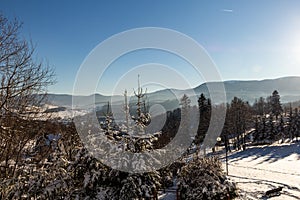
268, 153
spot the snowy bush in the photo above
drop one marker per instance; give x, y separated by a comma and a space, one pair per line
46, 180
203, 178
83, 177
137, 186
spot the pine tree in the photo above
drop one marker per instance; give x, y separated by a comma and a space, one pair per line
185, 123
280, 128
275, 104
259, 106
297, 121
204, 106
227, 128
271, 130
239, 115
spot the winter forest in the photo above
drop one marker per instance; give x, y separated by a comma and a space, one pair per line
43, 157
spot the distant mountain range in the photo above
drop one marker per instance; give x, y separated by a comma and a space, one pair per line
288, 88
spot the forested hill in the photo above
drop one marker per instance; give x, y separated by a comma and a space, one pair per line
288, 88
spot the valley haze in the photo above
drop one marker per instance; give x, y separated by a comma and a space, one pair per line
248, 90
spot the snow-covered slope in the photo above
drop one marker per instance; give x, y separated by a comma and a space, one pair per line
49, 111
262, 168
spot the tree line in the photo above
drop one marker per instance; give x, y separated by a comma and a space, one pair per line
265, 121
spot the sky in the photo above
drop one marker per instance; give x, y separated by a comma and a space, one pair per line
246, 40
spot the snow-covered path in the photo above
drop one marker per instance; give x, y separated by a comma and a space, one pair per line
170, 192
262, 168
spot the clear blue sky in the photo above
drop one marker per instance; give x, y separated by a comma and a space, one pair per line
246, 39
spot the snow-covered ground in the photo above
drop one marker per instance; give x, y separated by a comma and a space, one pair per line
62, 112
262, 168
68, 113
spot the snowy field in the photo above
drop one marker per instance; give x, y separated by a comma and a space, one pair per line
262, 168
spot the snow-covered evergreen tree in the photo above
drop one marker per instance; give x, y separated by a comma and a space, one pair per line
203, 178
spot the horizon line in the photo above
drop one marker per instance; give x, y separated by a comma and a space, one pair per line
158, 90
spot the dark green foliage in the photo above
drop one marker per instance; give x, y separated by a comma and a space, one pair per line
276, 108
260, 107
238, 120
169, 129
204, 106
